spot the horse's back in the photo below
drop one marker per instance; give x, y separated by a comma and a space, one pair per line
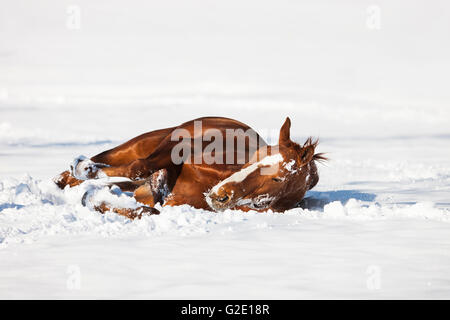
215, 123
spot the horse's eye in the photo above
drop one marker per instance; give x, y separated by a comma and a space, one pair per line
223, 199
277, 179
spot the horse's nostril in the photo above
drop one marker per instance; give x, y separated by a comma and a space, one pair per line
224, 199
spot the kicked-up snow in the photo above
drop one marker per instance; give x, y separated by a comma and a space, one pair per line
377, 225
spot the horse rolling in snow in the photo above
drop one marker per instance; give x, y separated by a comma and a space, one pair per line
191, 164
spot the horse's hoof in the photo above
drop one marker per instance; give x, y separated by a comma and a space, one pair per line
146, 211
61, 180
66, 179
83, 168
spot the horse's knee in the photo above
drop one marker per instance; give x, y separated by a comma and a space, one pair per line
144, 194
154, 190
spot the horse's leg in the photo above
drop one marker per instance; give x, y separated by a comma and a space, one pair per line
137, 148
161, 158
91, 200
156, 188
146, 192
127, 212
66, 178
129, 186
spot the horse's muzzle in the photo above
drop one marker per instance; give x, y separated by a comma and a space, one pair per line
219, 202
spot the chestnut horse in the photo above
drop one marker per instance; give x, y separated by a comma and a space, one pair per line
162, 169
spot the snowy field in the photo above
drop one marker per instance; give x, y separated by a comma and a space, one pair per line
376, 226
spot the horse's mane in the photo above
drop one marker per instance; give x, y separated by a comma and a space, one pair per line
310, 142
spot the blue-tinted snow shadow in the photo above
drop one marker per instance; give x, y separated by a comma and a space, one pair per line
318, 199
4, 206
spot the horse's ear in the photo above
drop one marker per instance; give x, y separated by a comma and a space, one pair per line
285, 132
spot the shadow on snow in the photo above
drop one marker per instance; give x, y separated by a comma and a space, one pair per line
318, 199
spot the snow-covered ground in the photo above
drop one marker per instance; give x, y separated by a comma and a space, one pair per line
376, 226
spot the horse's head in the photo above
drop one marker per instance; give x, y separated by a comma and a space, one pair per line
277, 177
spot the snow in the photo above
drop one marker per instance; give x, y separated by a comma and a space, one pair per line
289, 167
377, 225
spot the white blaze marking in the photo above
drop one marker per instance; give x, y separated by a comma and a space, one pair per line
243, 173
